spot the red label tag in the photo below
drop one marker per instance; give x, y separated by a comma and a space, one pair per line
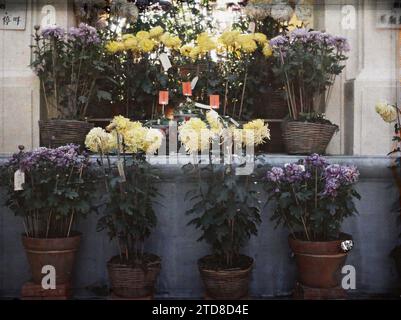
163, 97
186, 89
214, 101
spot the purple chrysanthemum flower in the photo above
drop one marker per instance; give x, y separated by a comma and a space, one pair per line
278, 41
300, 34
294, 172
275, 174
341, 44
349, 174
54, 31
85, 33
316, 161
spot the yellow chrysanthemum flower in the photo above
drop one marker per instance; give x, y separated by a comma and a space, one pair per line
185, 50
260, 38
127, 36
153, 141
146, 45
228, 38
267, 50
131, 43
156, 32
100, 141
115, 46
247, 43
261, 131
143, 35
205, 42
134, 138
386, 111
172, 42
195, 52
216, 126
195, 135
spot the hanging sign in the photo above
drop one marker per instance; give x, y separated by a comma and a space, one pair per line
163, 97
13, 14
214, 101
186, 89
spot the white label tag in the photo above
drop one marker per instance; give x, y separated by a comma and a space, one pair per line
19, 180
252, 27
234, 122
165, 61
194, 82
120, 167
202, 106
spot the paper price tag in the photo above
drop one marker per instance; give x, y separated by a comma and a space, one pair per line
252, 27
235, 123
194, 82
165, 61
202, 106
19, 180
121, 172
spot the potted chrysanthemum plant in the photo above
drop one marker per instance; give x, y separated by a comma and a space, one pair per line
68, 65
225, 203
390, 113
312, 198
129, 194
50, 189
307, 63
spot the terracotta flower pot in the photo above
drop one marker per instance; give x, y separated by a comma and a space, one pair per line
57, 252
319, 263
230, 284
129, 281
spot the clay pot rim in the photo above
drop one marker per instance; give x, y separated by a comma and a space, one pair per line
156, 263
75, 234
343, 236
227, 271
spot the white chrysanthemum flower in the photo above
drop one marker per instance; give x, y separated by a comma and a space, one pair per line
98, 140
386, 111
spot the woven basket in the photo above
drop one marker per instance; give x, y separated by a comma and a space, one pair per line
133, 282
57, 133
306, 137
226, 284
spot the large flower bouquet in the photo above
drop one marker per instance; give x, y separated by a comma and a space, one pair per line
307, 63
312, 197
56, 189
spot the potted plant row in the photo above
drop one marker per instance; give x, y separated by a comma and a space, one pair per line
307, 62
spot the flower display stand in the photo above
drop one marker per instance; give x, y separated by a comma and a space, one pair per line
32, 291
302, 292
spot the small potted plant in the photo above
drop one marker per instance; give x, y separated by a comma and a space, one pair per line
69, 65
307, 63
226, 206
50, 189
312, 198
130, 193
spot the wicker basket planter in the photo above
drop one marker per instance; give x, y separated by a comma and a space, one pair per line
128, 281
306, 138
56, 133
230, 284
